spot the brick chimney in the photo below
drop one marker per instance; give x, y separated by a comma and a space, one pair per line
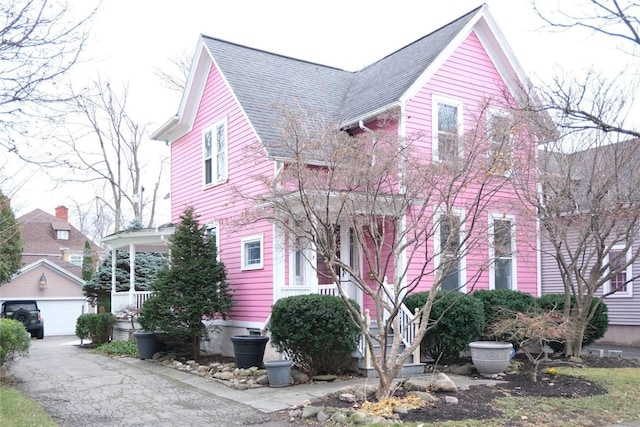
62, 213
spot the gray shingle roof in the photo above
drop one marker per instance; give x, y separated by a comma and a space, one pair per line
264, 81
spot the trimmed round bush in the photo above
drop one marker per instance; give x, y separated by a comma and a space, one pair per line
460, 320
501, 301
14, 341
315, 331
596, 327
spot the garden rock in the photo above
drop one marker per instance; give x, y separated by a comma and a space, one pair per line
440, 383
425, 396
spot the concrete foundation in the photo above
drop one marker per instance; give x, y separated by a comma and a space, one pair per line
622, 335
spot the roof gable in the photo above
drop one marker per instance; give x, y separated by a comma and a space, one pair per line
40, 238
263, 81
58, 267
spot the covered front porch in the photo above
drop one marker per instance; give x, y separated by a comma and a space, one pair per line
134, 241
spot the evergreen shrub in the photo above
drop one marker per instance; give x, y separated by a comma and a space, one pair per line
315, 331
98, 327
14, 341
455, 320
596, 327
499, 303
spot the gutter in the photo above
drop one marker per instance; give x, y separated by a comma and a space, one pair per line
165, 128
364, 118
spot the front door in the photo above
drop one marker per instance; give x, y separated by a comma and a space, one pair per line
350, 255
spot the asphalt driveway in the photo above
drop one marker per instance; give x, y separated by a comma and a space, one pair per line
80, 388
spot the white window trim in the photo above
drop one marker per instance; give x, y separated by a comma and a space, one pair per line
437, 249
607, 286
214, 154
243, 242
492, 253
492, 111
215, 226
62, 234
435, 100
292, 265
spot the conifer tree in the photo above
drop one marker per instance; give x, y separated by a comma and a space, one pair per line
193, 286
10, 241
87, 262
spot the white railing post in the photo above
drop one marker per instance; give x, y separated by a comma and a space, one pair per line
368, 364
415, 326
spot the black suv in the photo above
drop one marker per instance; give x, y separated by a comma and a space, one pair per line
27, 313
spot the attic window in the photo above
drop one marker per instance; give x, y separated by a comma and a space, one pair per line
214, 141
62, 234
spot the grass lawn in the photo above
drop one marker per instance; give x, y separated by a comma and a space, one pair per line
17, 410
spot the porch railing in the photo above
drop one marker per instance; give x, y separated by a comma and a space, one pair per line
120, 300
407, 321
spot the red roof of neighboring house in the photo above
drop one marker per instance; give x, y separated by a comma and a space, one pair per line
48, 236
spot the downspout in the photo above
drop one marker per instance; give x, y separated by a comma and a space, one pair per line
363, 127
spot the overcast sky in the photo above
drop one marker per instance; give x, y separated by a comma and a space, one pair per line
131, 39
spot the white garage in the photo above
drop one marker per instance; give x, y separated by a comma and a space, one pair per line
60, 316
57, 291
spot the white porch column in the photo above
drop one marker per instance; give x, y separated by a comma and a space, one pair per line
132, 274
279, 253
113, 276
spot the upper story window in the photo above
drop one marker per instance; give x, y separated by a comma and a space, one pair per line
502, 249
215, 148
62, 234
500, 139
622, 282
447, 128
76, 260
251, 252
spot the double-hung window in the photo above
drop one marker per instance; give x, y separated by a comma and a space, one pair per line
449, 251
251, 252
502, 247
215, 148
212, 232
500, 139
621, 282
447, 128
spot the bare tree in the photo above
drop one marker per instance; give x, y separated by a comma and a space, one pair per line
589, 211
39, 44
589, 188
177, 74
384, 195
105, 147
593, 101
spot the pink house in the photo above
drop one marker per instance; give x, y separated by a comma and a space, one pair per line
457, 79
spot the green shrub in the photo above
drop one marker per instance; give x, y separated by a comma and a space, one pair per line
497, 302
461, 320
316, 331
98, 327
119, 348
595, 329
14, 341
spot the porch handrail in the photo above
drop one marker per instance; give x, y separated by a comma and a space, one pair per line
406, 319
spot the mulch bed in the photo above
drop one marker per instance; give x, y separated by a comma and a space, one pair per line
477, 402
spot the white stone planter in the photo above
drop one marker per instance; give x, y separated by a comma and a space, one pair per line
490, 357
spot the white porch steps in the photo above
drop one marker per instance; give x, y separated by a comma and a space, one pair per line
411, 366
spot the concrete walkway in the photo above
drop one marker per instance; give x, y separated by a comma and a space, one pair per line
267, 399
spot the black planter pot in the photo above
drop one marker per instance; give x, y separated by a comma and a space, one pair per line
148, 344
249, 350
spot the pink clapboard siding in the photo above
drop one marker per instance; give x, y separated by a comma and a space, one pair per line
252, 289
469, 76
